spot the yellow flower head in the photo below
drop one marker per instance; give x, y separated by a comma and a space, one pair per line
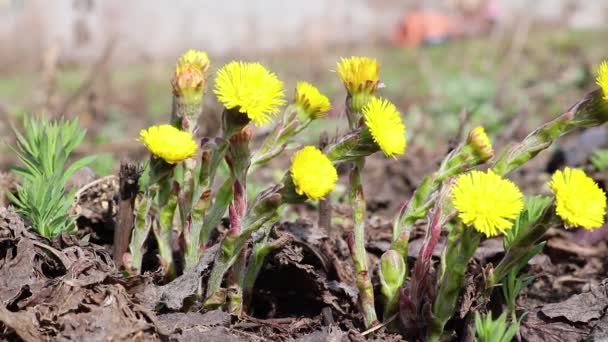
579, 201
189, 77
385, 125
479, 141
313, 173
602, 78
250, 88
193, 59
486, 201
168, 143
359, 74
312, 102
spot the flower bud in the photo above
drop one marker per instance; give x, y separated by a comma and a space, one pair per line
480, 143
311, 101
189, 78
392, 272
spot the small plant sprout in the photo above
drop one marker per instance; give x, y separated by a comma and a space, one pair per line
599, 159
44, 149
499, 330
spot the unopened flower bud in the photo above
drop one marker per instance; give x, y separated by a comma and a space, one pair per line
310, 100
392, 272
480, 143
189, 78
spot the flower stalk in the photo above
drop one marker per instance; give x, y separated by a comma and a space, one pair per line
591, 110
141, 229
461, 245
163, 230
357, 246
213, 153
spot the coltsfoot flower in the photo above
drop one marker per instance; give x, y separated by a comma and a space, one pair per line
190, 73
487, 202
312, 102
193, 59
602, 78
480, 143
313, 173
385, 125
168, 143
579, 201
359, 74
251, 88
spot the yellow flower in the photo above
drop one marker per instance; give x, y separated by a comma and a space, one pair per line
579, 201
479, 141
312, 102
359, 74
486, 201
168, 143
189, 76
250, 88
193, 59
385, 125
313, 173
602, 78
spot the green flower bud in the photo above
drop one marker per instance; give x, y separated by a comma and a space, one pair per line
392, 273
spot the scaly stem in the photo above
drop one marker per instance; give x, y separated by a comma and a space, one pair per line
202, 199
462, 243
140, 233
163, 231
357, 247
232, 245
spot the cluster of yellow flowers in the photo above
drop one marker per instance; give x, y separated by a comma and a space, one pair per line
252, 90
490, 204
483, 199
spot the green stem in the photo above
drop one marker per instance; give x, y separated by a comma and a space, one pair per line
202, 199
164, 236
522, 246
231, 247
140, 233
462, 243
358, 252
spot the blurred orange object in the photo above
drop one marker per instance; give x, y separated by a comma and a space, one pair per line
470, 17
419, 27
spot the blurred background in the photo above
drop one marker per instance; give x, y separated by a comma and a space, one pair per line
509, 64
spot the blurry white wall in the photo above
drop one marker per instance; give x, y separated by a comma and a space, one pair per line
159, 29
